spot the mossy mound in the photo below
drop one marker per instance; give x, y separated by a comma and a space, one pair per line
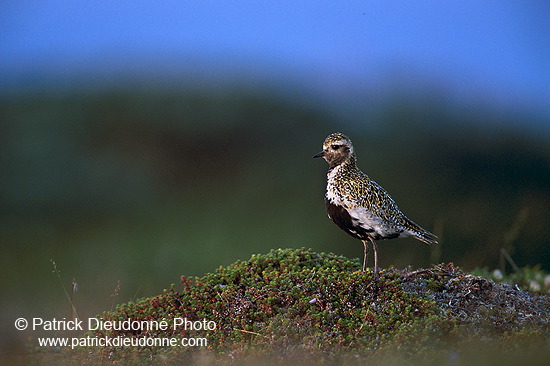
320, 307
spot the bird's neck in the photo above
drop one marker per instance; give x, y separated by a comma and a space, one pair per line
349, 164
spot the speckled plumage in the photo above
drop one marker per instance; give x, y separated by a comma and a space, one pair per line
359, 205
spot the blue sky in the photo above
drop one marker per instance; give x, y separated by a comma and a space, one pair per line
493, 50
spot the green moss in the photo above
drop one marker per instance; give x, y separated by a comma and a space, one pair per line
321, 307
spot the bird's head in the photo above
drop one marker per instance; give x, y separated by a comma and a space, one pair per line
337, 149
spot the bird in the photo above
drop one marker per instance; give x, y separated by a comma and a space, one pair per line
359, 205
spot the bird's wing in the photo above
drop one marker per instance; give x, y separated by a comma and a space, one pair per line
376, 199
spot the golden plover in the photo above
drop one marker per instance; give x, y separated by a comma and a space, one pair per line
358, 205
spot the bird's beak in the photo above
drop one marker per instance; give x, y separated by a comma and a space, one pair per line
319, 155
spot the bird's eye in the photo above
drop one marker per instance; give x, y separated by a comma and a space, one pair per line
335, 147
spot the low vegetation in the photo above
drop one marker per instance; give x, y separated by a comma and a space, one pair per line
319, 308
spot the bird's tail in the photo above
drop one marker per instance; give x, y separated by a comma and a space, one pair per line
421, 234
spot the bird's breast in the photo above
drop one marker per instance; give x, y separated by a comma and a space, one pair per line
337, 195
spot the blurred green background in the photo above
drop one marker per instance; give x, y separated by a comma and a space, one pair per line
183, 141
141, 186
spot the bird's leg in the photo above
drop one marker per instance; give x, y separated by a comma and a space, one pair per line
375, 248
365, 254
